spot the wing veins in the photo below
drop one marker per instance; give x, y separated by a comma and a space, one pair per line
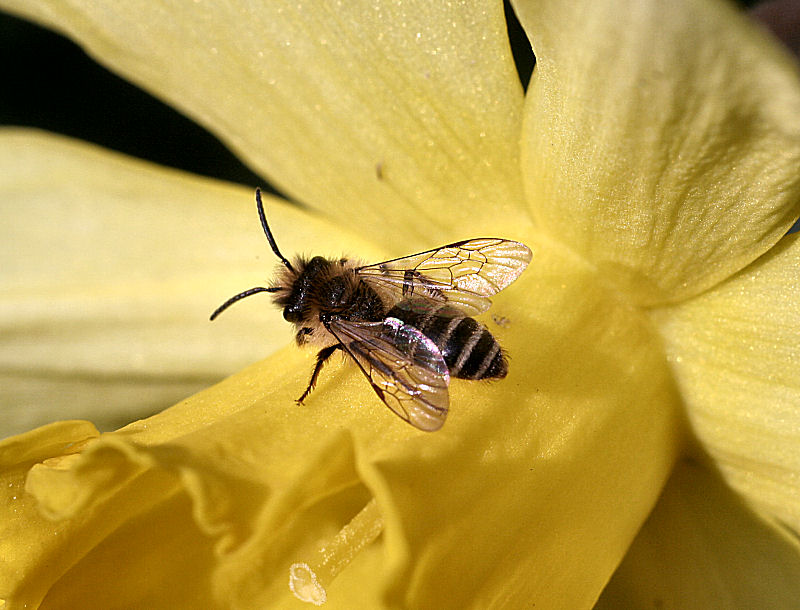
404, 368
474, 269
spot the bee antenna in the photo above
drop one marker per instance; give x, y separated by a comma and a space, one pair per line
268, 233
239, 297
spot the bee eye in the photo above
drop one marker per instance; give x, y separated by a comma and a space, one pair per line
292, 313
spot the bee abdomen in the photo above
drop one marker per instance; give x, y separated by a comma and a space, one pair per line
469, 349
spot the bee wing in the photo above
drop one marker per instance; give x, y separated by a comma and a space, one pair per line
465, 273
406, 369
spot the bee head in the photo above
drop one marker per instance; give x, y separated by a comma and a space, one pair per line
298, 301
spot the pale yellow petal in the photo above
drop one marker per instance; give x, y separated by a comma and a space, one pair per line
110, 269
352, 107
735, 351
661, 139
703, 548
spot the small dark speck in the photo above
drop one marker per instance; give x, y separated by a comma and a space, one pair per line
501, 321
379, 170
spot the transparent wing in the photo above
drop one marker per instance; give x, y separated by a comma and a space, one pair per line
465, 273
405, 368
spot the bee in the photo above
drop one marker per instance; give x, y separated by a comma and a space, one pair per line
406, 322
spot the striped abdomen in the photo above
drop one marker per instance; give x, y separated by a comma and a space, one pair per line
469, 349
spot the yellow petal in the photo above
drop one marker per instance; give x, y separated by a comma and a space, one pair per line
704, 548
355, 108
527, 509
531, 493
111, 268
735, 351
28, 540
661, 139
152, 518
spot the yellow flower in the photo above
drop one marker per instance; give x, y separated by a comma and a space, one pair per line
652, 168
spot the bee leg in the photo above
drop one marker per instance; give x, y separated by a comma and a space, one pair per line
408, 282
322, 356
